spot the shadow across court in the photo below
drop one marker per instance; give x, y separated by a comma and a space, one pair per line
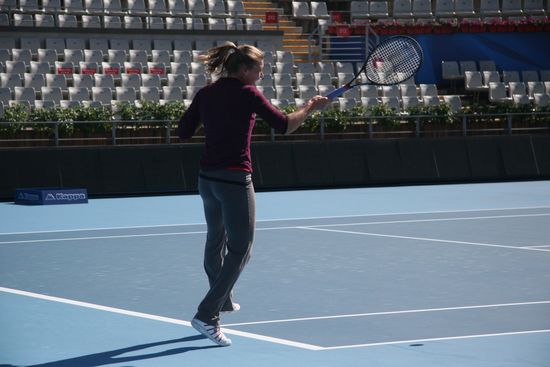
110, 357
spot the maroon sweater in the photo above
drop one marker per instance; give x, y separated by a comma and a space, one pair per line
227, 109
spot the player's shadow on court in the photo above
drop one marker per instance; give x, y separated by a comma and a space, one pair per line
106, 358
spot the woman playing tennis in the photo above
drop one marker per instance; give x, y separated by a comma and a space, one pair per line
227, 109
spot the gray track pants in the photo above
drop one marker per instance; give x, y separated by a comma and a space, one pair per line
230, 211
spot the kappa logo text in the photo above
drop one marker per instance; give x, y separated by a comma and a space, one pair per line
63, 196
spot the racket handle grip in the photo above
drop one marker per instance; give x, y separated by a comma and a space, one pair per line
338, 92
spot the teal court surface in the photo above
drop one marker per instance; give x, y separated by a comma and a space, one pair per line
449, 275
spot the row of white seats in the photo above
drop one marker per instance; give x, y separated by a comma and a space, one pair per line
82, 92
129, 22
52, 55
210, 8
453, 70
446, 8
506, 91
475, 81
104, 44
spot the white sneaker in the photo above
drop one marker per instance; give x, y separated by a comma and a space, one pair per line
236, 307
212, 332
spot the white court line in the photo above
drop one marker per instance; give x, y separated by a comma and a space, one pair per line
428, 220
390, 313
157, 318
437, 339
283, 219
283, 227
538, 246
425, 239
258, 336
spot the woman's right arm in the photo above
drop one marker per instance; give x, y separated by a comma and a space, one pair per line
295, 119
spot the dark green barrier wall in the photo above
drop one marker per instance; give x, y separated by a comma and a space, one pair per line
173, 169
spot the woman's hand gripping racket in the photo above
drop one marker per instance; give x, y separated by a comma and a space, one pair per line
391, 62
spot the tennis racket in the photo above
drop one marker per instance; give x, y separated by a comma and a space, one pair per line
393, 61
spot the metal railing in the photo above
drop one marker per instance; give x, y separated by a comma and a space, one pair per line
54, 133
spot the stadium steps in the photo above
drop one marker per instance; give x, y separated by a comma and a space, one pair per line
294, 39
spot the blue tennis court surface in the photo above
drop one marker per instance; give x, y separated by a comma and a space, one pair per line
453, 275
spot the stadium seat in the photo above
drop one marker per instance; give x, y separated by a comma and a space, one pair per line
301, 10
216, 8
533, 7
46, 20
544, 75
74, 56
236, 9
130, 80
431, 101
369, 90
510, 76
307, 91
79, 94
11, 80
53, 94
112, 22
197, 8
535, 87
489, 8
65, 68
391, 91
305, 79
422, 9
467, 65
150, 80
428, 90
91, 21
103, 95
23, 20
112, 68
24, 94
83, 81
99, 44
57, 44
138, 56
359, 9
194, 23
319, 10
284, 67
56, 80
407, 90
171, 94
541, 99
104, 81
197, 80
149, 94
497, 93
40, 67
32, 43
74, 7
155, 23
409, 102
344, 67
177, 80
454, 102
490, 77
16, 67
178, 8
29, 6
174, 23
216, 24
444, 8
5, 96
267, 91
133, 67
464, 8
391, 102
284, 92
24, 55
131, 22
113, 7
378, 9
126, 94
511, 8
94, 6
116, 56
119, 44
266, 81
38, 81
179, 68
402, 9
157, 8
282, 79
450, 71
198, 68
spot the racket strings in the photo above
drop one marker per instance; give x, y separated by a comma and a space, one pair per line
393, 61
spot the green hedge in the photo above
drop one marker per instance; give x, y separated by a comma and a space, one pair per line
153, 115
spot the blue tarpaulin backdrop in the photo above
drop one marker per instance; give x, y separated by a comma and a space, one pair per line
510, 51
